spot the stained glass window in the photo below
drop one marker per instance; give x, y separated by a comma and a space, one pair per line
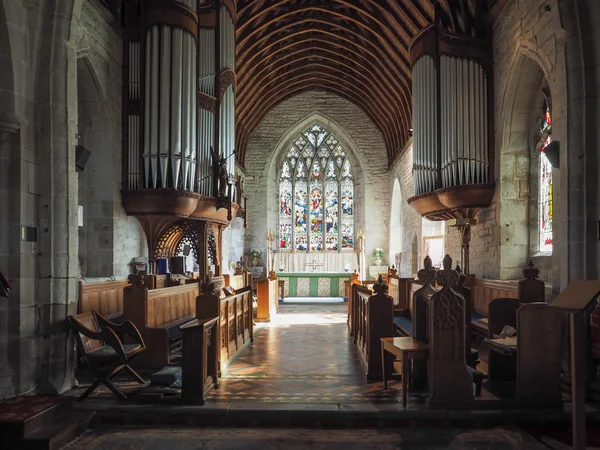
318, 176
545, 179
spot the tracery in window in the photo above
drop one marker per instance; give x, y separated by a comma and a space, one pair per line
545, 179
317, 174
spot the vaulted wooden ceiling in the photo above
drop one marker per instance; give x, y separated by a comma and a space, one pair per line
357, 49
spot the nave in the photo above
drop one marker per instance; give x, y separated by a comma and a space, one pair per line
305, 362
303, 355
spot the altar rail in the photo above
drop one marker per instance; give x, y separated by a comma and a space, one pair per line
372, 320
158, 313
268, 299
235, 327
105, 297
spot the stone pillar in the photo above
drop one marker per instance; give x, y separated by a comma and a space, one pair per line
8, 127
57, 261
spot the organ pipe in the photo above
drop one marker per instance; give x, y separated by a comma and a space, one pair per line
176, 63
451, 119
463, 123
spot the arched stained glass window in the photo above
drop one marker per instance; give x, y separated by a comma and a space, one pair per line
318, 176
545, 200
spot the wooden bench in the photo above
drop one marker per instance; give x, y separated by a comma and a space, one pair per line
482, 293
237, 281
235, 327
105, 297
158, 314
372, 320
403, 318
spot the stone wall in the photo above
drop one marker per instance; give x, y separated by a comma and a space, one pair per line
528, 49
356, 132
412, 257
109, 238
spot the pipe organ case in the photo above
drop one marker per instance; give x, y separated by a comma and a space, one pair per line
171, 100
452, 109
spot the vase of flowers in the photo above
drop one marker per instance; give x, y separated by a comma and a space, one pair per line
256, 254
378, 254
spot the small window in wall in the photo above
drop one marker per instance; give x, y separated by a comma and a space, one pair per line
545, 180
433, 241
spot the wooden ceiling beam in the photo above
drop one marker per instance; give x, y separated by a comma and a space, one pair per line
402, 69
335, 76
381, 74
391, 47
379, 101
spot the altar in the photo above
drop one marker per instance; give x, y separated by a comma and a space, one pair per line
314, 284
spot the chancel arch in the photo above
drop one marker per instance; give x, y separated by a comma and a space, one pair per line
527, 179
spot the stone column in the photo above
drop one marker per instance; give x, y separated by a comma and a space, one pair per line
8, 127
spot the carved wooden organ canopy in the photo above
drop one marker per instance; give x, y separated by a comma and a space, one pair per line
179, 93
452, 123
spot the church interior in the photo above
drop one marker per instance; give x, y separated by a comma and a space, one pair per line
300, 223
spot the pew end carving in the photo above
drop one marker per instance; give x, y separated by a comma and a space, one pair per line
450, 382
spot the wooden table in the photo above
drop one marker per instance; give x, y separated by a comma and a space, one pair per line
407, 349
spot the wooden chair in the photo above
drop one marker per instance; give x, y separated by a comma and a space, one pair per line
103, 352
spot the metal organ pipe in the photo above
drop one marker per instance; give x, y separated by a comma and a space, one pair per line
464, 122
176, 105
164, 103
425, 137
133, 119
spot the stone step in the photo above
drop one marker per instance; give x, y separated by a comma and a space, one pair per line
58, 434
22, 416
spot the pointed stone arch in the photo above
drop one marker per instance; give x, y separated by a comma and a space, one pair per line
518, 167
396, 228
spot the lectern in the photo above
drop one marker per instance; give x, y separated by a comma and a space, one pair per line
573, 301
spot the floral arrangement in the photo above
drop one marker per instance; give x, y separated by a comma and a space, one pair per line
256, 253
232, 265
378, 253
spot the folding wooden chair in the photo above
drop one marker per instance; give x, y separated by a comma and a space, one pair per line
103, 352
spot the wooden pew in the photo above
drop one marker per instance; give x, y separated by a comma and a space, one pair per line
158, 314
106, 298
398, 290
237, 281
200, 360
268, 298
450, 379
348, 284
372, 320
527, 290
482, 293
235, 327
528, 366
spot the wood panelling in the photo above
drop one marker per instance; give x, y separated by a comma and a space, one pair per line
484, 291
154, 313
106, 298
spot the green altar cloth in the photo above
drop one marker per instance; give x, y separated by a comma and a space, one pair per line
314, 284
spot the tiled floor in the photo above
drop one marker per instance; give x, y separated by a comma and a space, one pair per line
304, 355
